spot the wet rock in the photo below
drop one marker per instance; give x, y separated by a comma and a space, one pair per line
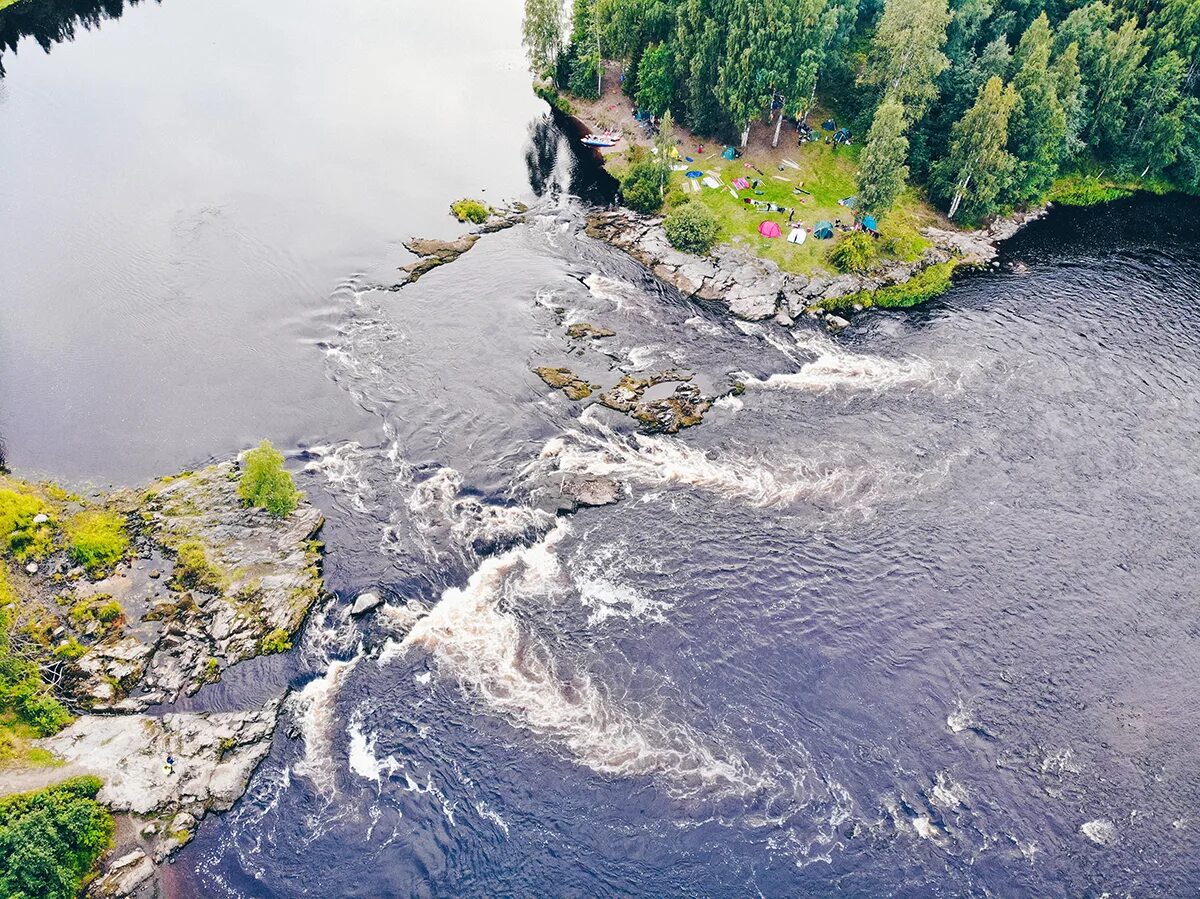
590, 490
682, 409
365, 603
836, 322
574, 387
582, 330
433, 253
627, 392
123, 876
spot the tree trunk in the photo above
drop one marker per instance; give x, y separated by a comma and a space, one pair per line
778, 125
959, 193
745, 134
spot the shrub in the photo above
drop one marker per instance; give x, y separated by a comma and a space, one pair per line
266, 483
276, 641
193, 571
50, 839
692, 228
853, 253
642, 186
44, 713
96, 538
1078, 190
466, 210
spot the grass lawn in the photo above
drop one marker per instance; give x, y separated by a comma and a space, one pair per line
827, 172
4, 4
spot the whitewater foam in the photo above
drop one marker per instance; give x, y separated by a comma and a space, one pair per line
314, 708
837, 369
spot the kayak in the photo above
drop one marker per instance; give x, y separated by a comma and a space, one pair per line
600, 140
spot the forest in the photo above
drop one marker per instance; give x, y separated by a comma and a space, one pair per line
983, 104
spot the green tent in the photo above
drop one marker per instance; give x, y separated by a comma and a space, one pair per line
823, 230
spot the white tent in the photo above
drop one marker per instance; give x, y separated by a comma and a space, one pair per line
797, 235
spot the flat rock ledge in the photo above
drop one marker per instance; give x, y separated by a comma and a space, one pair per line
757, 289
214, 756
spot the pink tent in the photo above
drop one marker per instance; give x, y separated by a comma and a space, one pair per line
768, 229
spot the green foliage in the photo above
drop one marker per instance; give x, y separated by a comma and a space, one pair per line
692, 228
882, 172
853, 253
656, 83
468, 210
69, 650
50, 839
266, 483
642, 185
101, 608
96, 538
548, 93
932, 281
8, 596
18, 533
1080, 190
906, 53
22, 690
542, 35
193, 570
978, 168
277, 640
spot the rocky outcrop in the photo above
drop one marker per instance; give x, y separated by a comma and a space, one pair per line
581, 330
205, 582
756, 289
572, 386
433, 253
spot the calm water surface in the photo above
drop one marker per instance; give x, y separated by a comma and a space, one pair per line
916, 615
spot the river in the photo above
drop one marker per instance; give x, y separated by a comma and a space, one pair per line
915, 615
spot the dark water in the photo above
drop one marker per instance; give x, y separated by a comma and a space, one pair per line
917, 615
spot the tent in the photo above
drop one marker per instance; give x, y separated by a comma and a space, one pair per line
797, 235
828, 125
849, 202
823, 230
769, 229
841, 136
730, 153
695, 173
869, 223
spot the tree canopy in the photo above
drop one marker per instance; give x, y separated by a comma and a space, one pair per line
1078, 85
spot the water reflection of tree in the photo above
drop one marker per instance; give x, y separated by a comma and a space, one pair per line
550, 154
51, 22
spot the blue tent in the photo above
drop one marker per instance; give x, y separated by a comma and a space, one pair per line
730, 153
869, 223
823, 230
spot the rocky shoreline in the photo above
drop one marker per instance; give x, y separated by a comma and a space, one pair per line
756, 289
207, 582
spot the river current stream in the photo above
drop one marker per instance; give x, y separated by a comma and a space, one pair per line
917, 614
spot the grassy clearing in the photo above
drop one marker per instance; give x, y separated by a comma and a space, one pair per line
827, 172
5, 4
16, 745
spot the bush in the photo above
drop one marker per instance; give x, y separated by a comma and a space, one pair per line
7, 596
276, 641
691, 227
266, 483
193, 571
642, 186
1077, 190
50, 839
96, 538
466, 210
44, 713
853, 253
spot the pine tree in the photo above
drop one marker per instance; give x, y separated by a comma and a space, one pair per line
978, 166
882, 171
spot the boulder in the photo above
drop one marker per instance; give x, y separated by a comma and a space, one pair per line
590, 490
366, 602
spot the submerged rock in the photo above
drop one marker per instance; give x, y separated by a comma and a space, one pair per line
584, 329
590, 490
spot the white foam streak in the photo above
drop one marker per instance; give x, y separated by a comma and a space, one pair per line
480, 642
314, 707
658, 462
836, 368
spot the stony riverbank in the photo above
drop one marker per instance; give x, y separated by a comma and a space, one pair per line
756, 289
204, 582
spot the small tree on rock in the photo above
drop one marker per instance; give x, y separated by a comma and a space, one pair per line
266, 483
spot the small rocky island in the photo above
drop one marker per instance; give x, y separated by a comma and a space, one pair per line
127, 601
